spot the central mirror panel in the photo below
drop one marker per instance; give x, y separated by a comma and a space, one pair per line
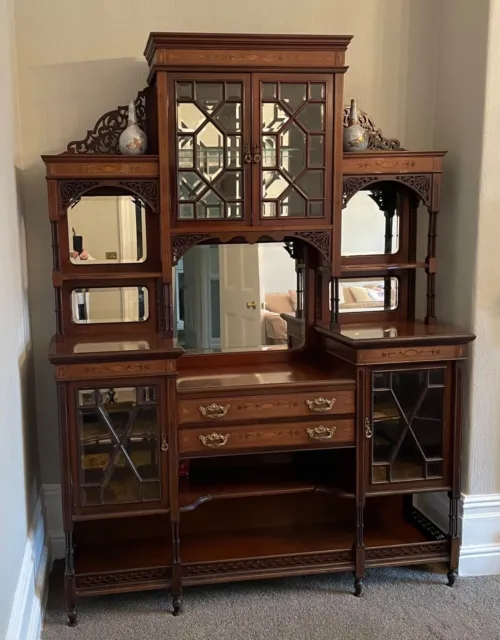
107, 230
234, 297
101, 305
370, 223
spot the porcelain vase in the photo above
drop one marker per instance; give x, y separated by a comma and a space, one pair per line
355, 136
133, 140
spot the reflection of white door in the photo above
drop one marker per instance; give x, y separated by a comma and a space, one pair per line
196, 303
239, 294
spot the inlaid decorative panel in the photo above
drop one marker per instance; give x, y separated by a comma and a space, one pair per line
407, 425
210, 151
118, 432
293, 142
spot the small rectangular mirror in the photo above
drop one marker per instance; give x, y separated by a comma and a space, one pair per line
102, 305
107, 230
235, 297
370, 224
368, 294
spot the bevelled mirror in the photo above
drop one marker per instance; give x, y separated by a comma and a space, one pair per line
107, 229
100, 305
370, 223
368, 294
235, 297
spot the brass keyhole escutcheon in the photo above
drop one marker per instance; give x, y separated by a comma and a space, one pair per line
251, 305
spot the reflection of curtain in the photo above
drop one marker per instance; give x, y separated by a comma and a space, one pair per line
80, 303
127, 226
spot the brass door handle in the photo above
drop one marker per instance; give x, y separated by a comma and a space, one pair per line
214, 440
368, 429
321, 432
164, 443
256, 154
214, 411
251, 305
248, 156
320, 405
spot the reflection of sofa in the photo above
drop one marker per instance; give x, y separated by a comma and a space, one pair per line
361, 295
274, 325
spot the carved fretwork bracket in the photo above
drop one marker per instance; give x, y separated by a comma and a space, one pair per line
320, 240
386, 199
420, 184
376, 139
103, 138
72, 190
147, 190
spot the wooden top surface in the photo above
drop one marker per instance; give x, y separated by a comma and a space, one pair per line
280, 374
65, 350
373, 334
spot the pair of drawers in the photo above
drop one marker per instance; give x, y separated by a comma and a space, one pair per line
219, 432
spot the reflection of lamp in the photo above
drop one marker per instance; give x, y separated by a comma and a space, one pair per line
77, 242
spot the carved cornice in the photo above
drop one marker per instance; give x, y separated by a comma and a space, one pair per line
420, 184
376, 139
103, 138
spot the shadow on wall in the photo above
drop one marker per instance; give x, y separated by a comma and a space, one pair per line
59, 103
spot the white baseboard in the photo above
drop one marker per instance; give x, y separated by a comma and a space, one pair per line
28, 609
479, 525
55, 529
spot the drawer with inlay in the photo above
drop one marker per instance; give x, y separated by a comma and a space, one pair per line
301, 435
262, 408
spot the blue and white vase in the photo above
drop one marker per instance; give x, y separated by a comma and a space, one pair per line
133, 141
355, 136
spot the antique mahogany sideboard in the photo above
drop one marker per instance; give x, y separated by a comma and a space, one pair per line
201, 443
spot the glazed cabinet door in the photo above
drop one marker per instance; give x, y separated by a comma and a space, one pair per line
212, 164
292, 148
119, 447
407, 433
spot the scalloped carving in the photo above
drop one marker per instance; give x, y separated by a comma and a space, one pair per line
72, 190
261, 564
376, 139
103, 138
145, 189
420, 184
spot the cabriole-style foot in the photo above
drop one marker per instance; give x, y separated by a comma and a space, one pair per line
176, 602
452, 577
358, 587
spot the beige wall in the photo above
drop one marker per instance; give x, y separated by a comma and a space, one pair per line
80, 59
18, 451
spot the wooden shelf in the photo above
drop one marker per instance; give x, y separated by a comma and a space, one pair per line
346, 270
125, 555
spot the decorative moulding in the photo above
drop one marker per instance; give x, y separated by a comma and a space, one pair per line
376, 139
104, 137
420, 184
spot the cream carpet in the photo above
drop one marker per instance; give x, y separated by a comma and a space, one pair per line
397, 604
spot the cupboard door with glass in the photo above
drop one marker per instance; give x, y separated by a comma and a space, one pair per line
212, 147
121, 460
408, 436
292, 148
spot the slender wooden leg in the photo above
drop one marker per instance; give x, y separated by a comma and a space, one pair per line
176, 591
69, 581
454, 539
359, 550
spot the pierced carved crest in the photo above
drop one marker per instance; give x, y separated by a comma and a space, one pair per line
103, 138
376, 139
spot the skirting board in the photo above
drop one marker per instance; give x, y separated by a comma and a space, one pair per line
28, 609
479, 524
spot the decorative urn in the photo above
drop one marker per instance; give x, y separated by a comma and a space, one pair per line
355, 136
132, 140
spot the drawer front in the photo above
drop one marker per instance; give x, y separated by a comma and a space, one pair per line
217, 440
231, 409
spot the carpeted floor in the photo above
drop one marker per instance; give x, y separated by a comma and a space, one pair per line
397, 604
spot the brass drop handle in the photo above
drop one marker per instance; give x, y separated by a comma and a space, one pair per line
214, 440
214, 411
256, 154
164, 443
248, 156
321, 432
251, 305
368, 429
320, 405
